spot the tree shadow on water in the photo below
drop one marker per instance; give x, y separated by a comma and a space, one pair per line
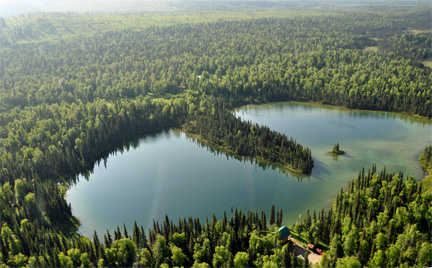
319, 170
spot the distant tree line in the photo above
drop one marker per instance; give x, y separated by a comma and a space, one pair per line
308, 58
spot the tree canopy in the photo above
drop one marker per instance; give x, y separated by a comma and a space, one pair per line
71, 92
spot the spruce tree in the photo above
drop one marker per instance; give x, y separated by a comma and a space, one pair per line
272, 214
136, 235
143, 238
279, 218
286, 257
125, 231
96, 243
263, 221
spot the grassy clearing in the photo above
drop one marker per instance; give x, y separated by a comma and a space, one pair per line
371, 48
417, 31
427, 63
303, 239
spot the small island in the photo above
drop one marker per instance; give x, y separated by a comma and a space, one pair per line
336, 151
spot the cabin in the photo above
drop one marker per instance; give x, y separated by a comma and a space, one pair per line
284, 234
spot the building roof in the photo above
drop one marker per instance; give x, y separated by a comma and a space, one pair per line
284, 232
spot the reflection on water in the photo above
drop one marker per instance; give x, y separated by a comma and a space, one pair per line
128, 144
168, 173
264, 165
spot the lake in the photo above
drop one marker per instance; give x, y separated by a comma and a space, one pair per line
169, 173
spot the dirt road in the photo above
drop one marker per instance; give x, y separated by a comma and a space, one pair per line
312, 257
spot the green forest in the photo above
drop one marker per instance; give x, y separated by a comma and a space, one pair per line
75, 86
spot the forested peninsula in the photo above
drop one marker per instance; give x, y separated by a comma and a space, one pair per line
73, 86
223, 130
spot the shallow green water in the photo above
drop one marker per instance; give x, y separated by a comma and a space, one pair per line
169, 173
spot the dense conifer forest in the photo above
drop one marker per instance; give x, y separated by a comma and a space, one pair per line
74, 86
381, 220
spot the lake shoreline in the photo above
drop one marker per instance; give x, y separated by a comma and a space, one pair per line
109, 149
427, 180
340, 152
343, 108
320, 172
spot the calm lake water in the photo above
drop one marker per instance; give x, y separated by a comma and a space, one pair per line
169, 173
